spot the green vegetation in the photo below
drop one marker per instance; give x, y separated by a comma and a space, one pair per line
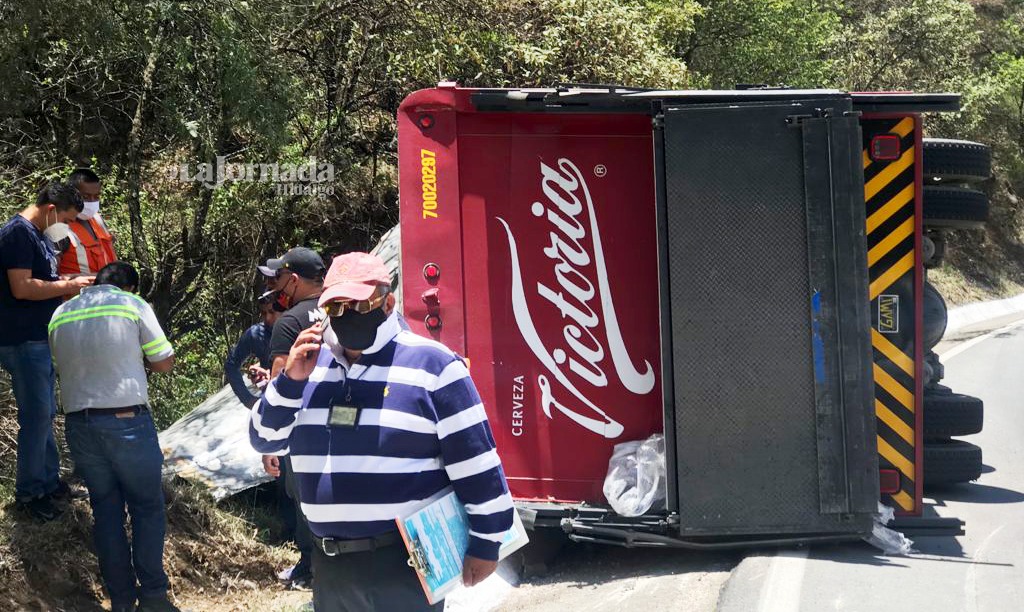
138, 88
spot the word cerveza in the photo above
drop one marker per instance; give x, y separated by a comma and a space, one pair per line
317, 176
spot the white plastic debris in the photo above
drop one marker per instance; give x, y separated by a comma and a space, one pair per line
889, 541
886, 514
210, 445
486, 596
636, 476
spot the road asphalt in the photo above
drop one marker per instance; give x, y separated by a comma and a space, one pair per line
982, 570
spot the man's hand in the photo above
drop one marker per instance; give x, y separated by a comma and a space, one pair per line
302, 358
76, 284
272, 465
258, 375
475, 570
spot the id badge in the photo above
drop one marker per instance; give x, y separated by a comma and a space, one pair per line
343, 416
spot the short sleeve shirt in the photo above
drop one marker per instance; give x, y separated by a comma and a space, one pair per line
288, 327
24, 247
98, 341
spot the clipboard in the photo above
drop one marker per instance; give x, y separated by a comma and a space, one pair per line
437, 537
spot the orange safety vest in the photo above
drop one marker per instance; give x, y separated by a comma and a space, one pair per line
87, 255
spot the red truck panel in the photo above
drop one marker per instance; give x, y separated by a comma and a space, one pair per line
549, 284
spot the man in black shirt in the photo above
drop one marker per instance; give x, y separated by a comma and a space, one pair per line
300, 274
300, 280
30, 290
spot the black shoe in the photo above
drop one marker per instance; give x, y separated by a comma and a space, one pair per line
123, 608
40, 508
156, 604
65, 492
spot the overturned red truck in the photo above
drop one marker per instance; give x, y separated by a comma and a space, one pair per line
742, 271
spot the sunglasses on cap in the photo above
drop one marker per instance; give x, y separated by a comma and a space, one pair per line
336, 309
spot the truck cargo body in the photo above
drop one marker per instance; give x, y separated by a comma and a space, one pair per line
619, 263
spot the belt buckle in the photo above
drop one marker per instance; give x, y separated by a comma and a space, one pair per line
326, 544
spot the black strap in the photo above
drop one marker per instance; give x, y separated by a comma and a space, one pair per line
333, 547
137, 409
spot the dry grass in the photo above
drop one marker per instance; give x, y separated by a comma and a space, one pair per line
986, 264
216, 559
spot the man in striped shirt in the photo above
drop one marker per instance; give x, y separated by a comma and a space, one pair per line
379, 422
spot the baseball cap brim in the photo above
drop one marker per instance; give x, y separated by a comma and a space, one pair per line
266, 271
347, 291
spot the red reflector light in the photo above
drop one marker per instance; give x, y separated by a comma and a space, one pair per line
889, 481
431, 271
426, 122
885, 147
433, 322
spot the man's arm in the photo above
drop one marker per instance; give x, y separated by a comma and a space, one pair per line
471, 461
155, 345
273, 418
162, 366
277, 365
286, 330
24, 287
232, 369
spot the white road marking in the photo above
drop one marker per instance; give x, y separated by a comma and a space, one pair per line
784, 582
971, 580
959, 348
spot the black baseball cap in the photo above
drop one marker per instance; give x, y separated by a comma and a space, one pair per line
300, 260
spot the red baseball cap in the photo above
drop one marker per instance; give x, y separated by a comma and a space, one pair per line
354, 276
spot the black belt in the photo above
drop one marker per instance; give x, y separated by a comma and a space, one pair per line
122, 411
333, 547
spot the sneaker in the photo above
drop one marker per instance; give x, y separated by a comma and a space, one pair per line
40, 508
156, 604
66, 492
286, 574
301, 583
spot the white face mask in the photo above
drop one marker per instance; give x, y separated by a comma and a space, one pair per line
330, 340
90, 210
58, 231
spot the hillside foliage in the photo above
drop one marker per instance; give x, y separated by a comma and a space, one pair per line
137, 88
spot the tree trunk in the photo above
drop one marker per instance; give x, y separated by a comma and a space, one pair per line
140, 246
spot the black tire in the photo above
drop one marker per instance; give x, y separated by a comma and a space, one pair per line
955, 161
935, 316
952, 414
951, 462
954, 208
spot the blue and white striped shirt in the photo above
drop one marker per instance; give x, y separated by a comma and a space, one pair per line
422, 432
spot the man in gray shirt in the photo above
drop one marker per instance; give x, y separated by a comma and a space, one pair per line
101, 341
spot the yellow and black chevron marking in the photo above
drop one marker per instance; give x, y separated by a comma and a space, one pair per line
889, 196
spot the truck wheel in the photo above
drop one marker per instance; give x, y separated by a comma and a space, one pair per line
952, 414
955, 161
935, 316
951, 462
954, 208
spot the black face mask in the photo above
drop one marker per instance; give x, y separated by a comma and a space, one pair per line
358, 331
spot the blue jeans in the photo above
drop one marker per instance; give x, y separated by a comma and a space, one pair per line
32, 381
120, 461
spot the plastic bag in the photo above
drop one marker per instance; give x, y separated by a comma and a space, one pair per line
889, 541
886, 514
636, 476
